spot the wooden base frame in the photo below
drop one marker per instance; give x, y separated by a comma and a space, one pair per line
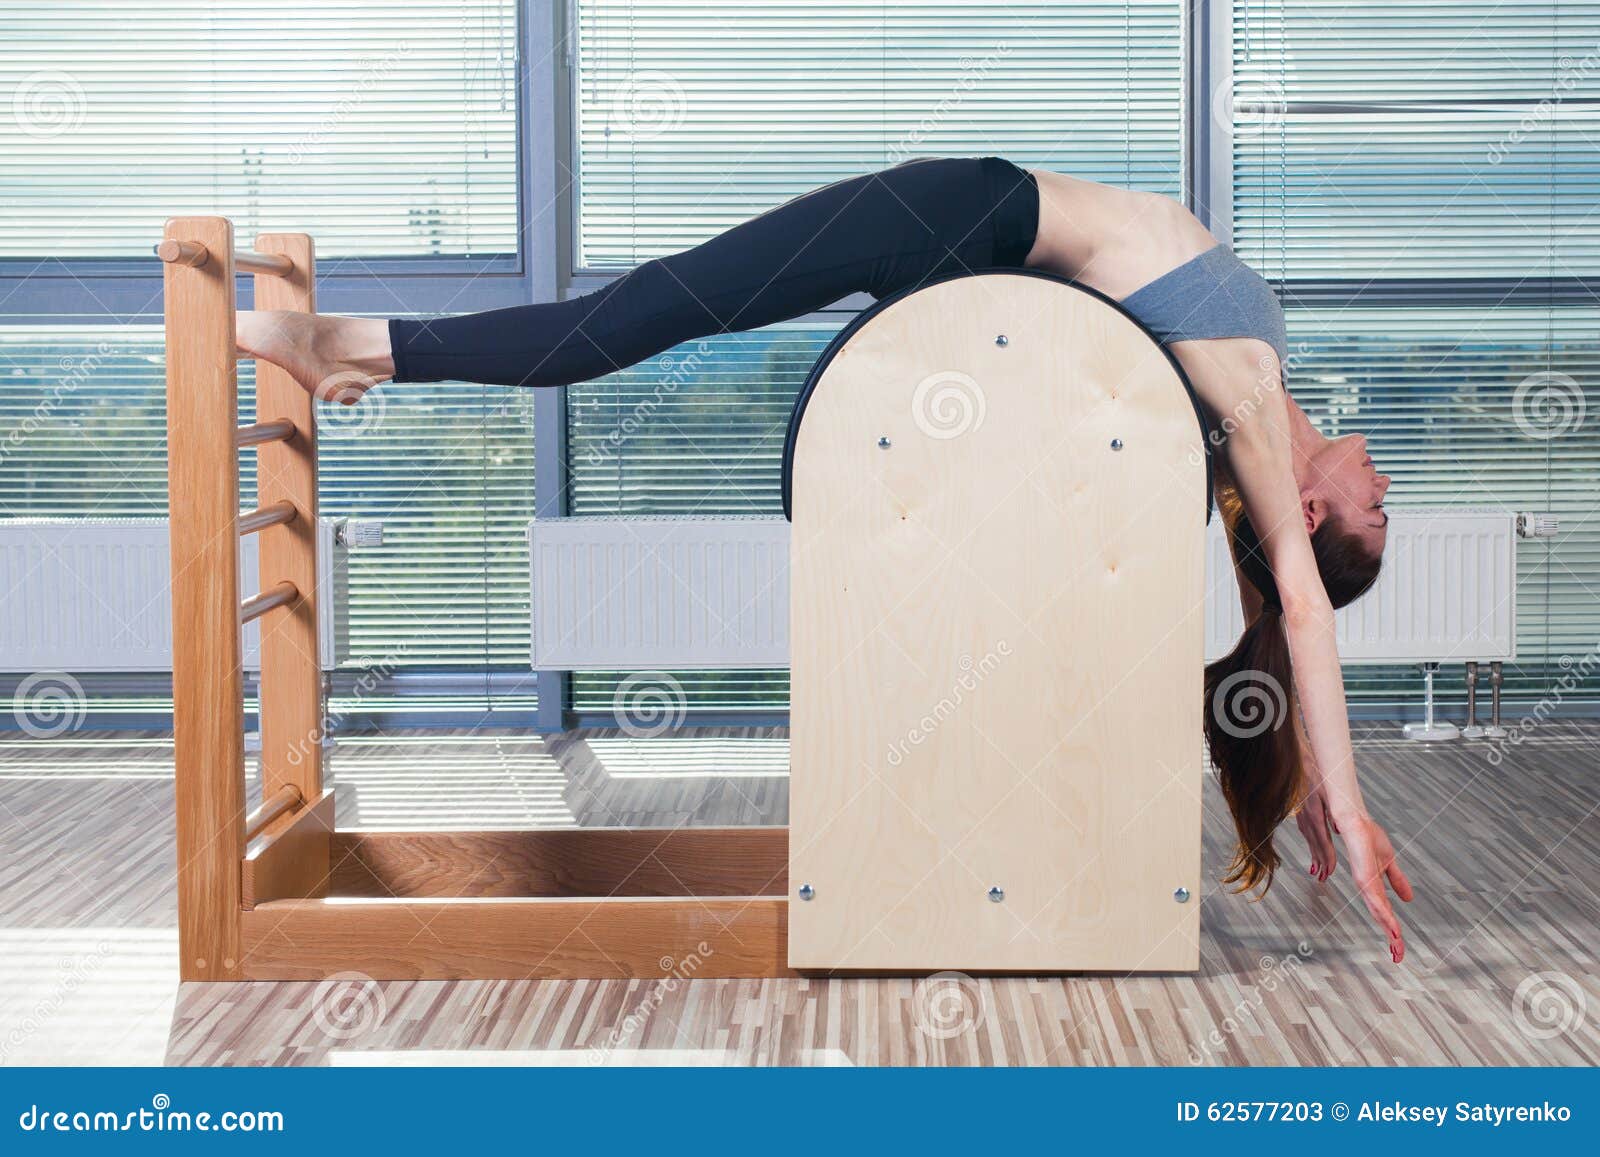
1088, 465
579, 902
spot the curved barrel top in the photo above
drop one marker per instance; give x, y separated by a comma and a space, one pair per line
842, 338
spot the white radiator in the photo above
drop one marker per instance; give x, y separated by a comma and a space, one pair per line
1447, 592
674, 593
707, 593
87, 595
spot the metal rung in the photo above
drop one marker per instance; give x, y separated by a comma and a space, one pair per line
275, 515
258, 605
280, 430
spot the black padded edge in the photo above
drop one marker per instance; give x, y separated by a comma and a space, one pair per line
877, 307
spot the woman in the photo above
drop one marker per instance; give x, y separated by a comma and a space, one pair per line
1305, 513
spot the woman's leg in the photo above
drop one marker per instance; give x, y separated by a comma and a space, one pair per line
874, 233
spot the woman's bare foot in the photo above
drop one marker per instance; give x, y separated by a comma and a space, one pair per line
338, 359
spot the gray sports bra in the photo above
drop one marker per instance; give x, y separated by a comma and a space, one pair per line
1210, 296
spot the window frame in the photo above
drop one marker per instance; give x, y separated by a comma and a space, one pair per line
127, 290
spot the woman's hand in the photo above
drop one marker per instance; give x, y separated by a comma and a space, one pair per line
1373, 864
1317, 827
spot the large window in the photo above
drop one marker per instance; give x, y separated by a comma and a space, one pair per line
388, 131
1421, 176
384, 129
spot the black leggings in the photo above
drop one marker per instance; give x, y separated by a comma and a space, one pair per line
878, 233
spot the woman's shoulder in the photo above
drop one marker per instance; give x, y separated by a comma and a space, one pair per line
1238, 379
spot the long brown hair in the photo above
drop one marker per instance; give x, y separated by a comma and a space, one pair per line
1249, 692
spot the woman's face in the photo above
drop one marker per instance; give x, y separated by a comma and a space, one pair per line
1344, 478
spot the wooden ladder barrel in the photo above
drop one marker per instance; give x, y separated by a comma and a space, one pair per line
998, 488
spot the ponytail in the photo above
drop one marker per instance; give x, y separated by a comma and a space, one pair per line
1249, 733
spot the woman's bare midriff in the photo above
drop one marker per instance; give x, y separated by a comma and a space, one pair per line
1110, 239
1118, 241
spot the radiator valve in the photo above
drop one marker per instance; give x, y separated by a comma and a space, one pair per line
1537, 525
356, 533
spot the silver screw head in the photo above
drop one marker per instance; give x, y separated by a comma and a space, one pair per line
1002, 340
807, 892
997, 894
1116, 443
1181, 895
883, 443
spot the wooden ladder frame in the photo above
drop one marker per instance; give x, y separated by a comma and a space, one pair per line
280, 893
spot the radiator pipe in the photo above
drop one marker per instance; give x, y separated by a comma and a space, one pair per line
1472, 730
1496, 677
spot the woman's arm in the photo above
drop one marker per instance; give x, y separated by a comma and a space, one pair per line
1259, 460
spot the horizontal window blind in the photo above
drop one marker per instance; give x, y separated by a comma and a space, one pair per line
692, 117
447, 468
1406, 147
1491, 408
1418, 138
698, 430
382, 129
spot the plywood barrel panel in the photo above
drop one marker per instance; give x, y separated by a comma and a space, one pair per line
997, 639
